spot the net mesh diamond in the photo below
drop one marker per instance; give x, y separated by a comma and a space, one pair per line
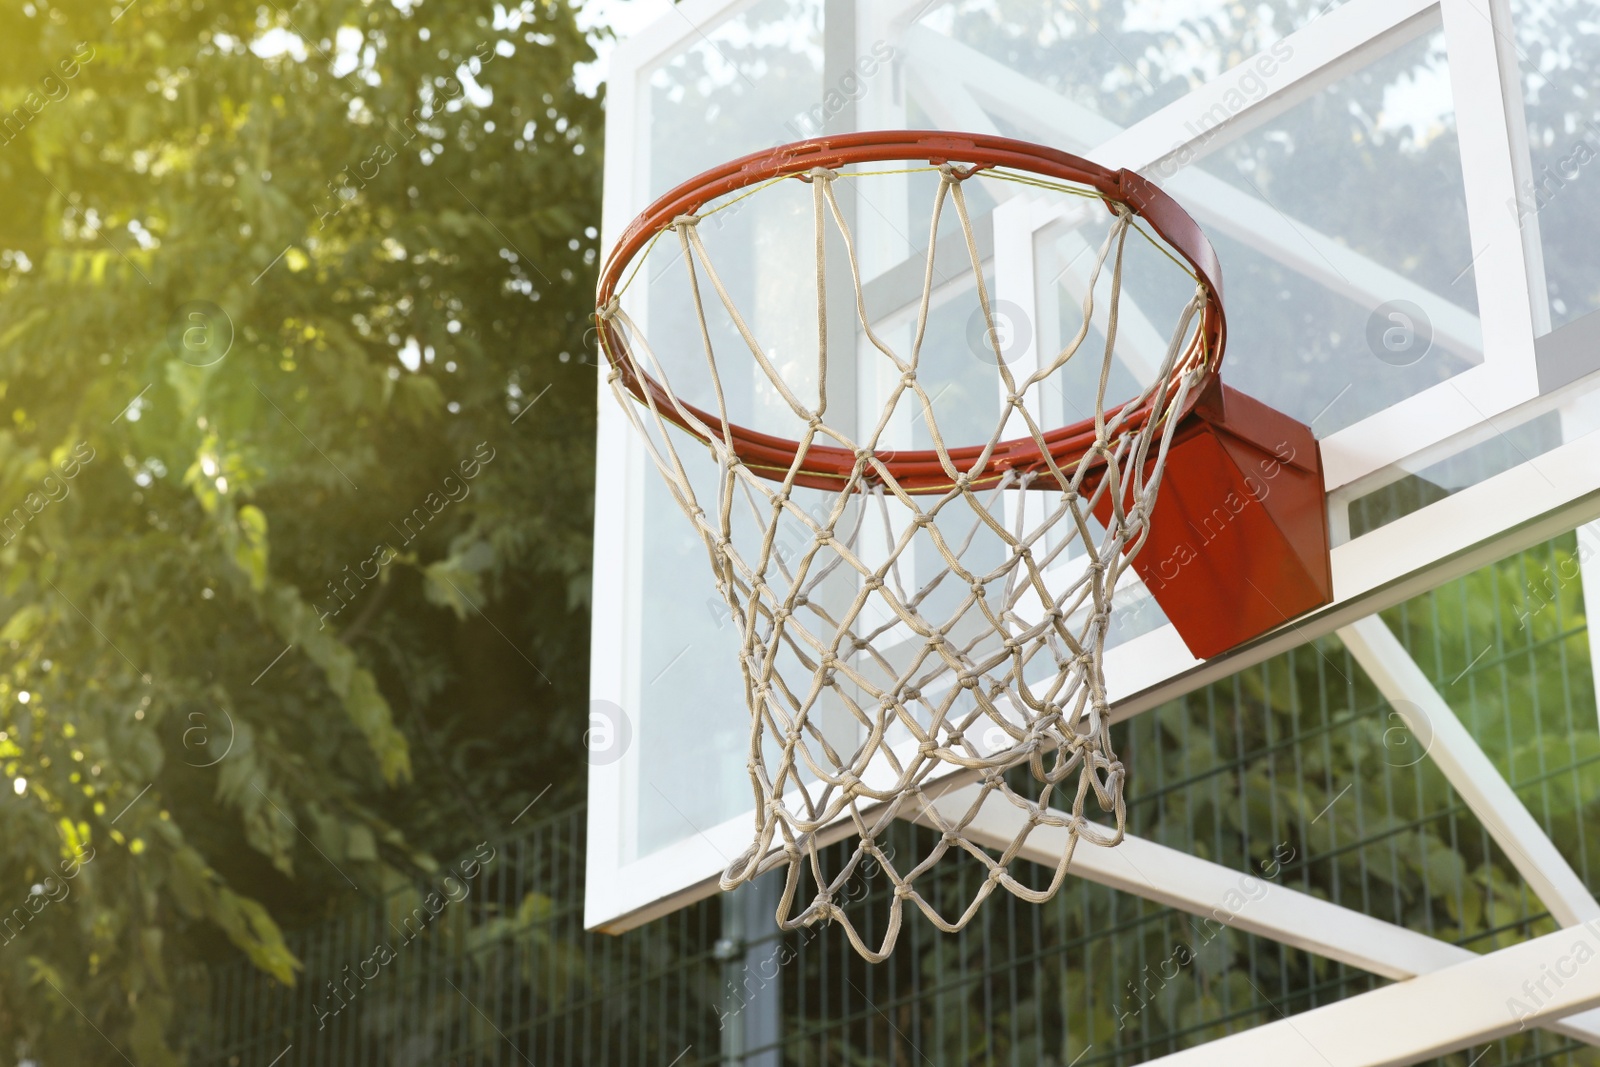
895, 642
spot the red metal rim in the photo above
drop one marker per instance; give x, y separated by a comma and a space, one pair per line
831, 467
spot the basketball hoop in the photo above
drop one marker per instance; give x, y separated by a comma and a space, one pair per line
992, 658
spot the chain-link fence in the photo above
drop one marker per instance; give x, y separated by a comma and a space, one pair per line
1295, 772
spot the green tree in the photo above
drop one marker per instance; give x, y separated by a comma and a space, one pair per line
294, 475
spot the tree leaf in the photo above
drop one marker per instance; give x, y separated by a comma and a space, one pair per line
24, 623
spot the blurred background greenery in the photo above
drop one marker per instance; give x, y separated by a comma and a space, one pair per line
269, 647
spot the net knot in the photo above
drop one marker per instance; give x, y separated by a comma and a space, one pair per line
684, 222
954, 172
817, 172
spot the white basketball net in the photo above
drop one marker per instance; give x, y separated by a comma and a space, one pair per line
1007, 673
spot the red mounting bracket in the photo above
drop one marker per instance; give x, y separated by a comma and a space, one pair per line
1238, 541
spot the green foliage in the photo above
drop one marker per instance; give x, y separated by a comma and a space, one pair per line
1296, 773
278, 572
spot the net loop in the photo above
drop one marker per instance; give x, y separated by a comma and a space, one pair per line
884, 650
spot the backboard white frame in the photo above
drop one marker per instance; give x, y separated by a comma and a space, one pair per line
1549, 494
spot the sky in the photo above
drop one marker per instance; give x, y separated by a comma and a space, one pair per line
626, 18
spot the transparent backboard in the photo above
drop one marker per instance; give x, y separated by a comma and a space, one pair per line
1400, 197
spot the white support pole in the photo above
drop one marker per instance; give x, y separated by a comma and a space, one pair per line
1503, 375
1250, 903
1221, 208
1341, 42
1179, 880
1589, 572
614, 648
1499, 14
1471, 1003
1489, 177
1578, 417
1480, 784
